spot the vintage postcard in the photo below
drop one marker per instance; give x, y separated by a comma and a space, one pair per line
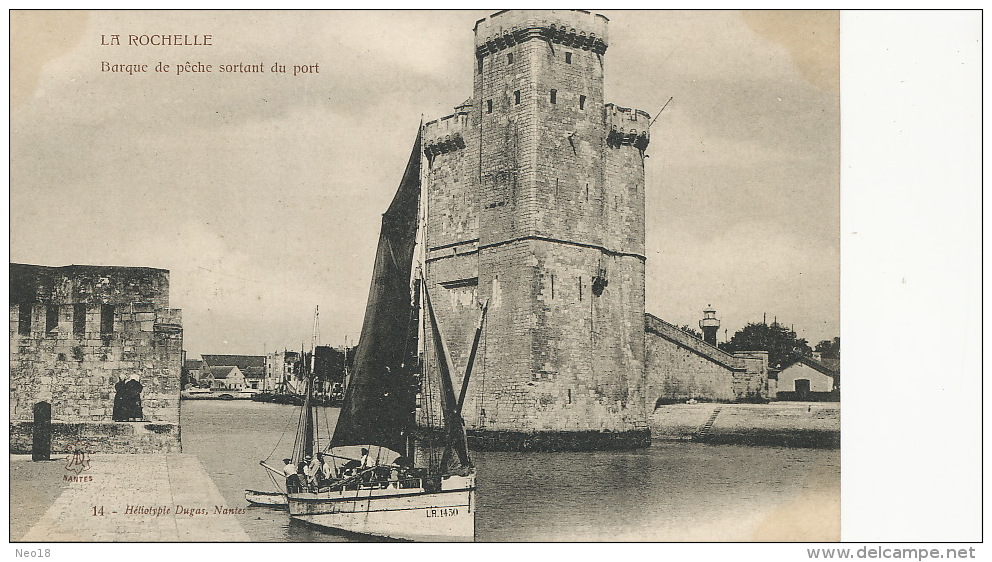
495, 276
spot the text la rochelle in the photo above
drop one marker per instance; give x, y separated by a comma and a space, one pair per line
176, 40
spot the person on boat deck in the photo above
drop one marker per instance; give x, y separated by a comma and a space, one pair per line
315, 469
366, 461
293, 482
306, 469
303, 470
325, 471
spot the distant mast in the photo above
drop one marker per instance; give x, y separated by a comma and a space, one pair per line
314, 338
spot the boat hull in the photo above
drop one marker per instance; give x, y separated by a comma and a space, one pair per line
447, 515
269, 499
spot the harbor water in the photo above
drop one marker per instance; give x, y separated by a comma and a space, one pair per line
671, 491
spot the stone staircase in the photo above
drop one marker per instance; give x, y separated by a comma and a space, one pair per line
704, 431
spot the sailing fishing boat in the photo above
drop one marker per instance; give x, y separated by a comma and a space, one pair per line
419, 484
307, 436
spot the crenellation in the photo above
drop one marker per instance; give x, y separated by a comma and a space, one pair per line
446, 134
572, 28
627, 127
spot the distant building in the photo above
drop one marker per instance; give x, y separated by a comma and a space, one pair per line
281, 367
252, 368
77, 334
223, 378
191, 369
681, 367
808, 379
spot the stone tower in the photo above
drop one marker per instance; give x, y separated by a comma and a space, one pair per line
535, 202
710, 325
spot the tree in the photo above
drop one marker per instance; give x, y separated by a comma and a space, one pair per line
691, 331
829, 349
186, 378
781, 343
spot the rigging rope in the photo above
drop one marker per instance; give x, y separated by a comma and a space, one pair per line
327, 426
289, 420
482, 383
316, 428
428, 396
275, 482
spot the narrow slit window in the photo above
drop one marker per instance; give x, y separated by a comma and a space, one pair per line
516, 97
51, 318
580, 287
509, 58
79, 319
568, 58
552, 285
582, 102
489, 106
554, 96
107, 319
587, 192
24, 319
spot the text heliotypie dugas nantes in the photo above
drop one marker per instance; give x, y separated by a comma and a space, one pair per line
174, 40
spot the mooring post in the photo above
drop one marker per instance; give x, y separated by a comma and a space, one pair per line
41, 434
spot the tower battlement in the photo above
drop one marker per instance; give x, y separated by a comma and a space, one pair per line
627, 126
573, 28
446, 134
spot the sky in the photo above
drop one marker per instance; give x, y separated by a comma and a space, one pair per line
262, 193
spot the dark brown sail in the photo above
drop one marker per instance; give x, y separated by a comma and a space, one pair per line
379, 402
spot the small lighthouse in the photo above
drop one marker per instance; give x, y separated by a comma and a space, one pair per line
710, 324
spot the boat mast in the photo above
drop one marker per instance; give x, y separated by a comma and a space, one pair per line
314, 338
308, 423
413, 363
346, 374
418, 285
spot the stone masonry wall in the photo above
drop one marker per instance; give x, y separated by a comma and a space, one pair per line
677, 374
84, 334
623, 214
451, 173
451, 149
96, 437
680, 367
89, 284
752, 384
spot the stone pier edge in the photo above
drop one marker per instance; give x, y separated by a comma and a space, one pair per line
552, 441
